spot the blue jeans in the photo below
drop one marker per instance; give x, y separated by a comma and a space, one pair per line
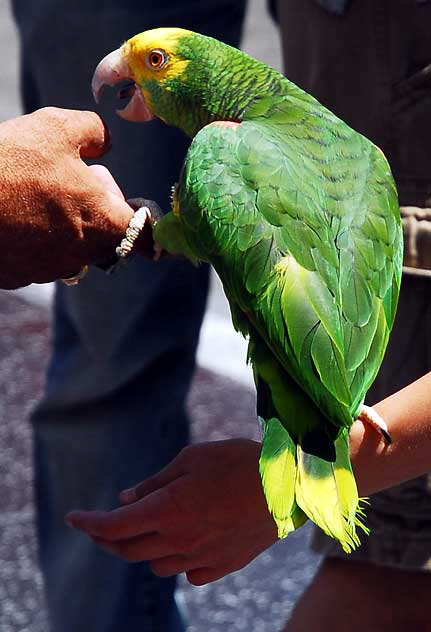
123, 346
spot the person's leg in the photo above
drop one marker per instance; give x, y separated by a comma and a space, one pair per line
123, 349
358, 596
359, 65
113, 414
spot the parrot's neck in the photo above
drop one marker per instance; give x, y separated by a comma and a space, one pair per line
228, 97
206, 95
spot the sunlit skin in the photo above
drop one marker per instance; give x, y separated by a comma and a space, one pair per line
58, 213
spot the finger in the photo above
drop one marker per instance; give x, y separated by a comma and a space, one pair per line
141, 548
201, 576
89, 133
125, 522
173, 565
82, 130
120, 212
175, 469
109, 200
106, 180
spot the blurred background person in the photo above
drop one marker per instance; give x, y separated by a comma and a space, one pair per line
97, 429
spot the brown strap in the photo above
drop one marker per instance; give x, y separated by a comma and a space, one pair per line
417, 237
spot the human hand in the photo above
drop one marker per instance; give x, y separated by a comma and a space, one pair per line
56, 213
204, 514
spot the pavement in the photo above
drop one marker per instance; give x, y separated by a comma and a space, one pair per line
257, 598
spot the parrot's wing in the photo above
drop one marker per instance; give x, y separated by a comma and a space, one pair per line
299, 215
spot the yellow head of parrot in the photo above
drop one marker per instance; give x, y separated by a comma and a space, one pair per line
149, 56
154, 54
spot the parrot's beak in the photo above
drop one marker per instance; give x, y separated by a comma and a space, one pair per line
111, 70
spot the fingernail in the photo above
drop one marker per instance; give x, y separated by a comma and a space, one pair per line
72, 519
69, 522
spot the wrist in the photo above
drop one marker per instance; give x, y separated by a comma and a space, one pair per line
371, 458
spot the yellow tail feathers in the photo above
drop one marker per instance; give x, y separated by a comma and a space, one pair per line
277, 467
297, 485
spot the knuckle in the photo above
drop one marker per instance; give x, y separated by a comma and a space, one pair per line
59, 121
103, 527
175, 501
189, 452
186, 450
184, 454
92, 118
52, 114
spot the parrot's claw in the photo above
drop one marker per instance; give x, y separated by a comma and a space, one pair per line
369, 416
151, 250
155, 212
146, 245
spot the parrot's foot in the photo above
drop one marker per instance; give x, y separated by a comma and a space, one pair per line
135, 228
154, 211
145, 243
369, 416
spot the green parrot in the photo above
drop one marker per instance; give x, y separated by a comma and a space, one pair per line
299, 216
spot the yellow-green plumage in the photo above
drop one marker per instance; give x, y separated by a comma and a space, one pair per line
299, 216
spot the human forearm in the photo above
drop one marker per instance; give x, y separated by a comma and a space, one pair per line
408, 415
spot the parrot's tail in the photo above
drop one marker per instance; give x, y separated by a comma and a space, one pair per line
298, 485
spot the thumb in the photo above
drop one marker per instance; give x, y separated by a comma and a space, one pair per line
106, 180
120, 211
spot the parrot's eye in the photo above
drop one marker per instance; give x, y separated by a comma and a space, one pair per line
156, 59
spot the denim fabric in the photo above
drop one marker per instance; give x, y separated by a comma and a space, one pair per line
335, 6
123, 347
339, 7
